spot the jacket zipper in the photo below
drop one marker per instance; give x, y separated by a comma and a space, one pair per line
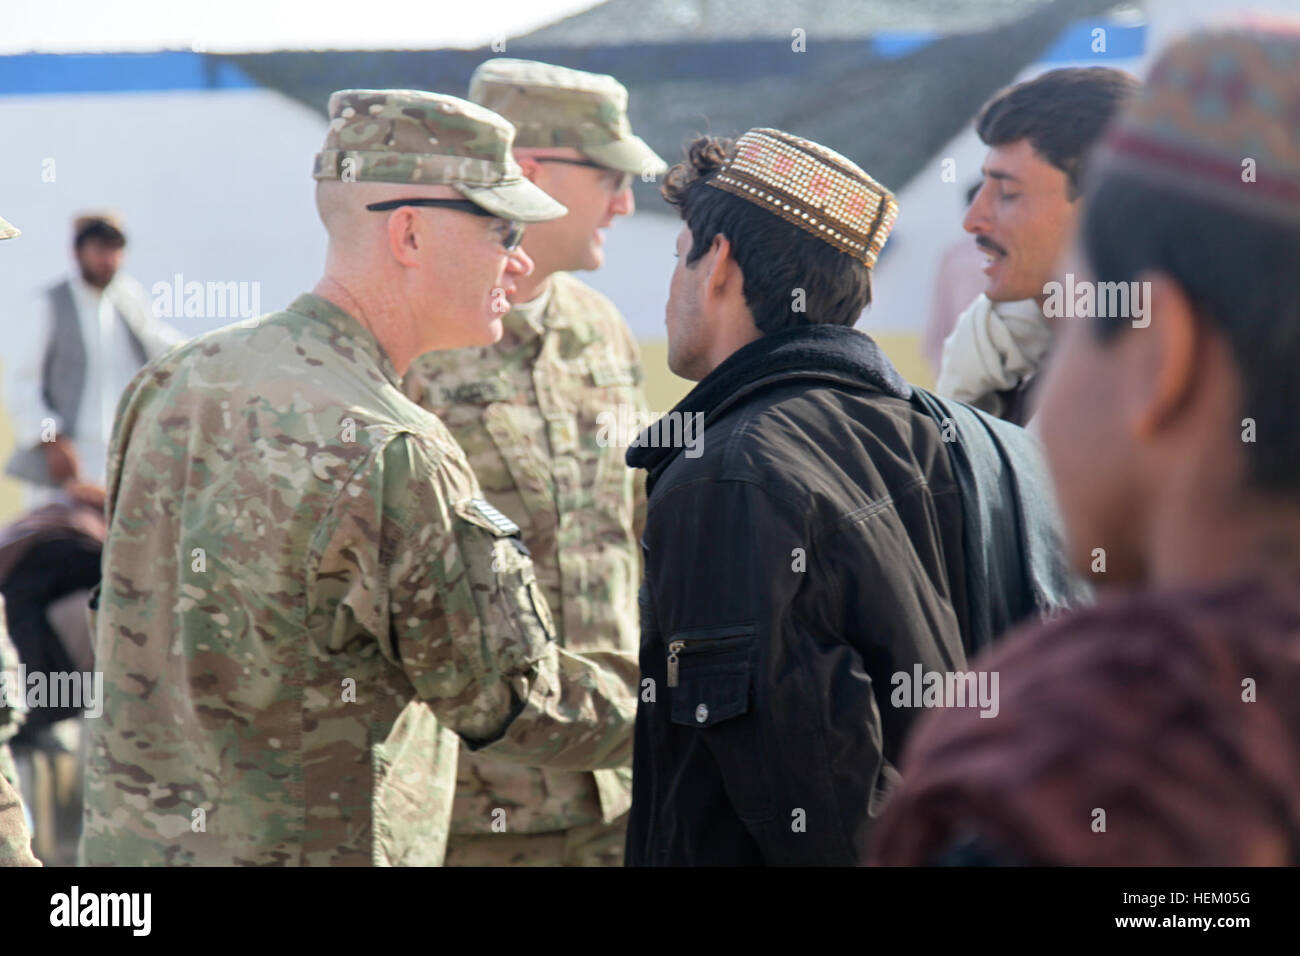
674, 649
706, 644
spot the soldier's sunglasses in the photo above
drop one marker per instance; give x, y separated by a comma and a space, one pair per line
615, 180
514, 230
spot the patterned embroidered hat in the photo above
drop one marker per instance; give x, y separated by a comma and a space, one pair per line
1218, 119
814, 188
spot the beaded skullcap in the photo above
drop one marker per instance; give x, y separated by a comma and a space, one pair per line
814, 188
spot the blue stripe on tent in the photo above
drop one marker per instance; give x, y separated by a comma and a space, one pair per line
29, 73
893, 45
1076, 42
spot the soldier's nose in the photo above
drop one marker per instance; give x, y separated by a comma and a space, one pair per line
624, 203
519, 263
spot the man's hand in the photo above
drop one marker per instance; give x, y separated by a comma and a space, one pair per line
62, 460
86, 493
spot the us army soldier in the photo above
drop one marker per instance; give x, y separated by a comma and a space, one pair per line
15, 841
305, 597
529, 411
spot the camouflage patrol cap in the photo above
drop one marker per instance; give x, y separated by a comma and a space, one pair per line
8, 231
430, 139
555, 106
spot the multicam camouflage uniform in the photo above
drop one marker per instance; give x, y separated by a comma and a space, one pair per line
305, 596
527, 412
15, 841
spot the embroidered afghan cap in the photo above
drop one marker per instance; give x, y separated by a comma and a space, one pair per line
430, 139
8, 230
1218, 119
813, 187
108, 224
554, 106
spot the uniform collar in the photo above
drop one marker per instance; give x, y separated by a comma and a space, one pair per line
344, 327
528, 320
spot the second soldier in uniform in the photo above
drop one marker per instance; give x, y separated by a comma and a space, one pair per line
525, 410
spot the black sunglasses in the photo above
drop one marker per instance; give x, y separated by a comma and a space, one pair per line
514, 231
615, 178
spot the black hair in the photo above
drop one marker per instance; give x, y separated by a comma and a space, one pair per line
1061, 112
100, 230
775, 257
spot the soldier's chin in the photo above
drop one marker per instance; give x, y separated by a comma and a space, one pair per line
493, 330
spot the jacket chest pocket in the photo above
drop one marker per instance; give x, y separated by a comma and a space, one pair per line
519, 434
709, 674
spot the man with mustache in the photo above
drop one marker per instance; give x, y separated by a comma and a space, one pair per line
526, 411
1038, 133
1162, 727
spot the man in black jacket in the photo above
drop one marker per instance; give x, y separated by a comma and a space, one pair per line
807, 555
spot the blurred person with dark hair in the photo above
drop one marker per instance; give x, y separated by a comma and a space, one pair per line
1161, 727
15, 840
1038, 133
809, 532
96, 329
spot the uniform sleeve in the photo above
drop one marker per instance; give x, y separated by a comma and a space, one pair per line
12, 703
457, 606
632, 354
752, 673
15, 841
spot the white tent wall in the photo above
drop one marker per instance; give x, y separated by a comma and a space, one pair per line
214, 186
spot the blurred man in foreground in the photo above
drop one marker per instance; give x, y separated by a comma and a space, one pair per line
1162, 727
528, 410
306, 597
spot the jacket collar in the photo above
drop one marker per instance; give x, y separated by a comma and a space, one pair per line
825, 353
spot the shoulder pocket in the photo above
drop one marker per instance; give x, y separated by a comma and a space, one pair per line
508, 600
475, 393
709, 674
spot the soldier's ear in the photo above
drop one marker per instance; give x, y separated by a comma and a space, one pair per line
404, 236
529, 166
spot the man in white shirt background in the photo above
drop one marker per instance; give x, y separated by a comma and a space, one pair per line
94, 331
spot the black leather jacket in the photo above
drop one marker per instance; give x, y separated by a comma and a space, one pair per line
812, 549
